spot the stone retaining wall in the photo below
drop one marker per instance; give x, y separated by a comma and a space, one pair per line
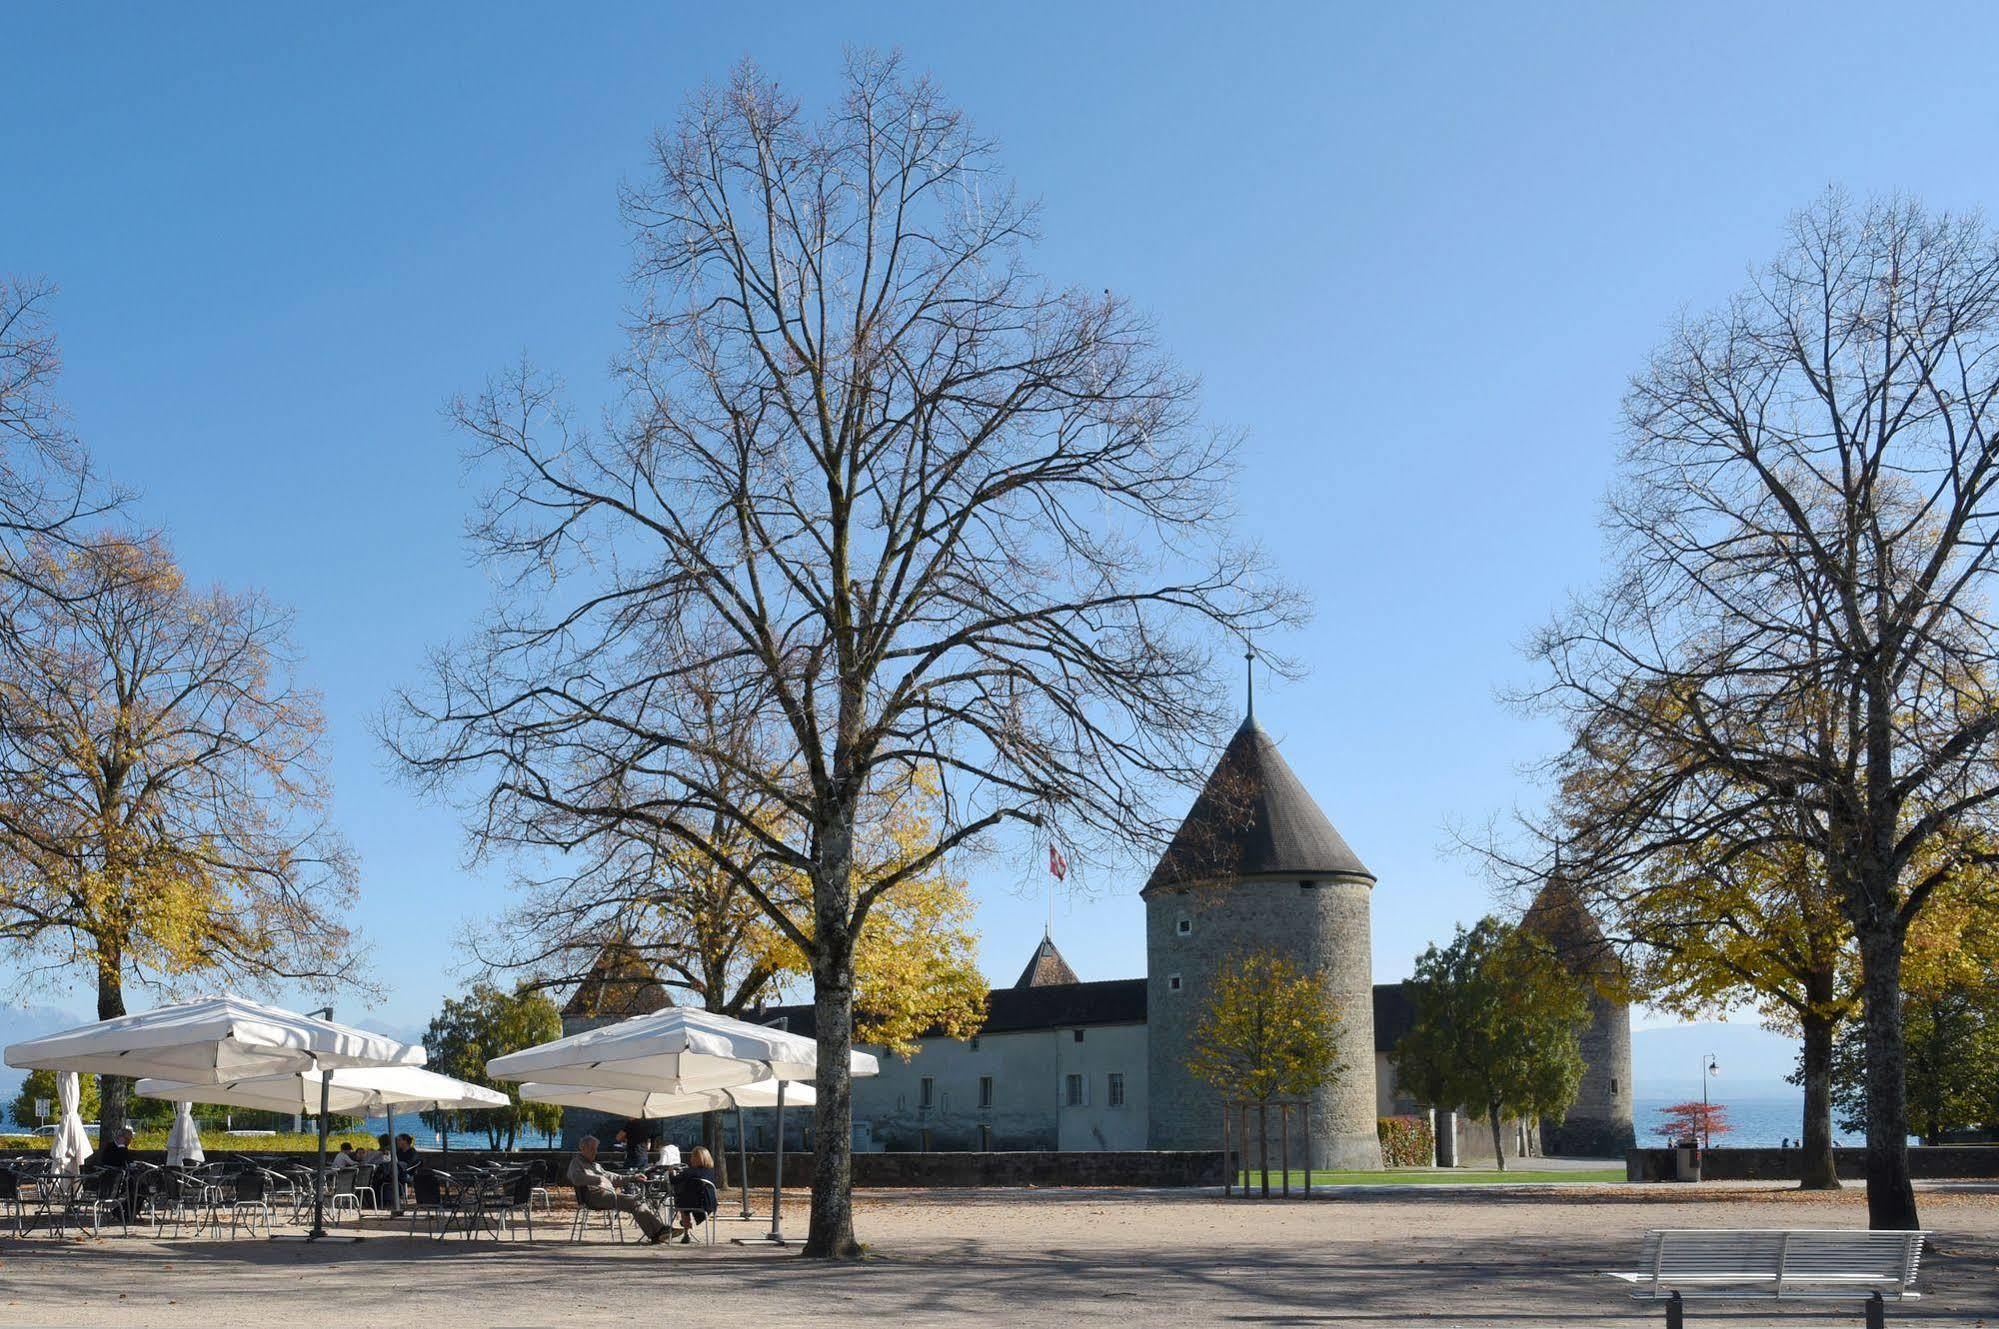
1931, 1162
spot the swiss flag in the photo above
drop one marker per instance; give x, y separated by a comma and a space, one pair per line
1058, 866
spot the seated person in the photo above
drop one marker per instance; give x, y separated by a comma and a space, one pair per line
345, 1159
694, 1192
118, 1153
597, 1189
376, 1160
407, 1157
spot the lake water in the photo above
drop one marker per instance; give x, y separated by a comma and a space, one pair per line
1752, 1122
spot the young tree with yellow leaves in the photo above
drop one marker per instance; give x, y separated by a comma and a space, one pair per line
1268, 1030
162, 787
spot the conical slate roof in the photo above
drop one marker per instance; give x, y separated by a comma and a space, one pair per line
1254, 818
1047, 968
620, 984
1559, 917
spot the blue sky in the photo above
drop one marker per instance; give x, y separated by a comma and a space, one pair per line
1413, 251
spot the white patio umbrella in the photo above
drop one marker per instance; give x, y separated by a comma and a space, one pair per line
353, 1090
184, 1141
217, 1039
677, 1051
72, 1143
638, 1103
208, 1041
671, 1051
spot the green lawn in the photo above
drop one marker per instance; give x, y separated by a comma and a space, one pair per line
1436, 1177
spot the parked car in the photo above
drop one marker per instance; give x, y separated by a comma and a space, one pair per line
49, 1132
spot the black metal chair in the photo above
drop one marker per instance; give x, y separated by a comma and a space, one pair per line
252, 1200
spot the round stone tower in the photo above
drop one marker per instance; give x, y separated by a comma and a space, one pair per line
1256, 866
1598, 1123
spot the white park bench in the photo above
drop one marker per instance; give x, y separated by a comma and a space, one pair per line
1776, 1264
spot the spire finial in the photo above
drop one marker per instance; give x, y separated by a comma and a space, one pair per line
1249, 669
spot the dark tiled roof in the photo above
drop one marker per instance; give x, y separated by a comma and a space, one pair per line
1254, 817
1394, 1014
620, 984
1017, 1010
1046, 968
1117, 1001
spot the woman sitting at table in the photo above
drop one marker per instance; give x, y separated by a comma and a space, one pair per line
694, 1191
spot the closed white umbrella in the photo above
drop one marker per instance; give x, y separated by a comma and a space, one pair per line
72, 1143
184, 1141
671, 1051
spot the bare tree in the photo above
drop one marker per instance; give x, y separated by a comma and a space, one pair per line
1794, 645
898, 500
46, 484
161, 785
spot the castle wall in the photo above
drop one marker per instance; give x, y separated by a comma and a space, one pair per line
1322, 927
1599, 1123
1030, 1110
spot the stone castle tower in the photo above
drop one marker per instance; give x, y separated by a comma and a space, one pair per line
1598, 1124
1257, 866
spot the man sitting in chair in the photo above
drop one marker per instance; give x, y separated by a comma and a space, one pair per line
596, 1189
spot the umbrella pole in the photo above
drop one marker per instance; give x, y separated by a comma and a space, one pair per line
777, 1176
775, 1237
319, 1170
743, 1160
395, 1169
319, 1232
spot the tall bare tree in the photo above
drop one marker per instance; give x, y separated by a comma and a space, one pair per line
46, 484
162, 788
1794, 644
903, 503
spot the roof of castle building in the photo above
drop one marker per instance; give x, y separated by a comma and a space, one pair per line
1116, 1001
1254, 818
619, 985
1046, 967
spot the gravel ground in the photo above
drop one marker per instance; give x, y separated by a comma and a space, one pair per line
1483, 1256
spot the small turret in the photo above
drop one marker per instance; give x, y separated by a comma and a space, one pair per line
1599, 1122
1046, 968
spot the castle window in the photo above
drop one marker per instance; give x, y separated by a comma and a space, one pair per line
926, 1092
1186, 927
1613, 1086
1079, 1035
985, 1139
985, 1091
1307, 885
975, 1042
1173, 983
1114, 1090
1075, 1091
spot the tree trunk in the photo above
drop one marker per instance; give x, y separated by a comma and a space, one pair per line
830, 1235
1263, 1143
113, 1091
1891, 1197
711, 1139
1816, 1169
1498, 1145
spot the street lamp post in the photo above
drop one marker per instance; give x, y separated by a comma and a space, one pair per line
1709, 1068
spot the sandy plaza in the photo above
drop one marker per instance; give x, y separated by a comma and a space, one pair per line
1519, 1256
